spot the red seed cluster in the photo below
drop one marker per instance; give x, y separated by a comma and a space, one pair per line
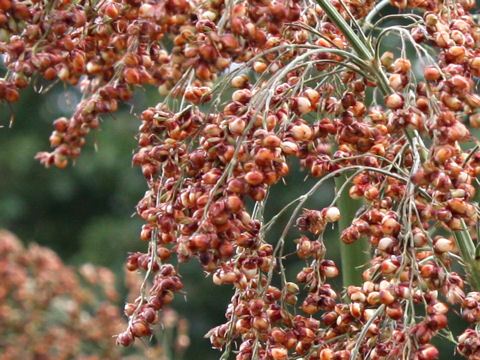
468, 344
301, 90
51, 311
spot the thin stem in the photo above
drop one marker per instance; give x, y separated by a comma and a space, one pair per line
365, 329
377, 8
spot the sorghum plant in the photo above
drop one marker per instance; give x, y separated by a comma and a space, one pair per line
50, 311
312, 81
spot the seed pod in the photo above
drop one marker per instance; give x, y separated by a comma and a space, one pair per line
394, 311
259, 66
301, 105
237, 126
442, 245
371, 192
140, 329
387, 59
279, 353
396, 82
260, 323
443, 153
271, 141
290, 299
355, 192
358, 296
432, 73
428, 352
291, 148
388, 266
475, 64
473, 100
254, 177
386, 244
60, 161
149, 315
458, 206
240, 81
356, 309
329, 270
332, 214
125, 338
386, 297
313, 96
390, 226
301, 132
131, 76
394, 101
401, 66
278, 335
242, 325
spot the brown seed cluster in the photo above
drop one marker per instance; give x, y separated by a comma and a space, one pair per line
300, 93
51, 311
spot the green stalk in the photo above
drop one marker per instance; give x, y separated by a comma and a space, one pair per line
354, 256
467, 252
